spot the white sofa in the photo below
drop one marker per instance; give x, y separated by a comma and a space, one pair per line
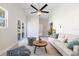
62, 47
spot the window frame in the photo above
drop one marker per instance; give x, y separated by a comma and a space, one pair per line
5, 18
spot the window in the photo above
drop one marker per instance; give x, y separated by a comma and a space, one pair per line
3, 18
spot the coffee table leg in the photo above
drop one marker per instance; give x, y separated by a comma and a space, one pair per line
35, 49
45, 49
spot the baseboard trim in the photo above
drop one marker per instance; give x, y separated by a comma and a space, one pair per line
8, 48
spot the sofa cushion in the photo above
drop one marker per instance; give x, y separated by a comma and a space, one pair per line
72, 43
62, 47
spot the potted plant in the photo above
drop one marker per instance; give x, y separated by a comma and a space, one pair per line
49, 32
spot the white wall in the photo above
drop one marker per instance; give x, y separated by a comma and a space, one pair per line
66, 16
8, 36
44, 22
41, 28
33, 26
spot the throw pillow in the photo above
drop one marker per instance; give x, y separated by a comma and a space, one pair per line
55, 36
65, 40
62, 39
72, 43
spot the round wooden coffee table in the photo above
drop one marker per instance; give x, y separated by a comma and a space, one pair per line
41, 43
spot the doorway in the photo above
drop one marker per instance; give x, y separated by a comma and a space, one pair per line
21, 30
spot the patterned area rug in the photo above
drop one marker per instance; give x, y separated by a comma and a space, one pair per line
38, 52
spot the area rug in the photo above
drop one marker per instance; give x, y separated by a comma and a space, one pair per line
51, 51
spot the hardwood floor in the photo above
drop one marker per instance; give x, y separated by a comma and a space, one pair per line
52, 51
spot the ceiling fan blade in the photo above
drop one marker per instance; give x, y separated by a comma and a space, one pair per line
43, 7
34, 7
45, 11
33, 12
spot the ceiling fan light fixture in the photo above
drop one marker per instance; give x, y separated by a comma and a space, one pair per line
39, 13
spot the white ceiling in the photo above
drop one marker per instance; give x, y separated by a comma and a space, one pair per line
28, 9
